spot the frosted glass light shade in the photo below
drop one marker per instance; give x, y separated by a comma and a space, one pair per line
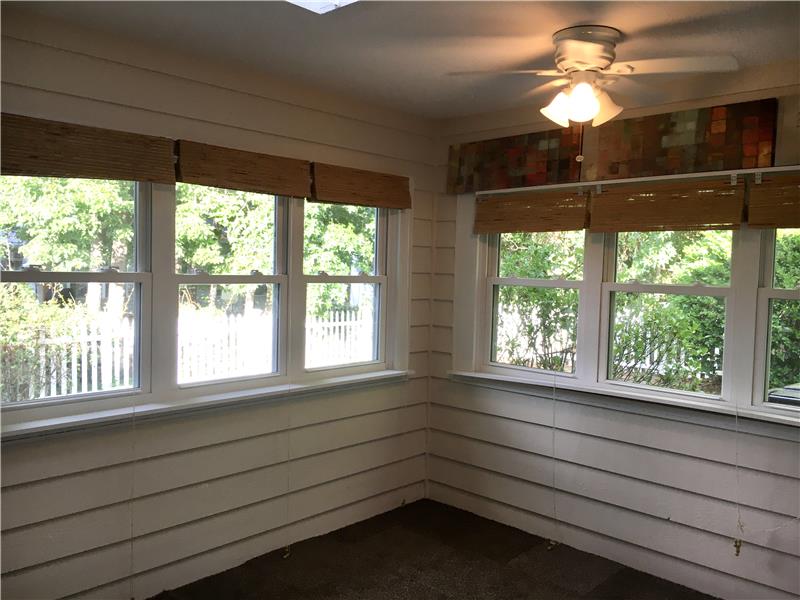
558, 110
608, 109
583, 104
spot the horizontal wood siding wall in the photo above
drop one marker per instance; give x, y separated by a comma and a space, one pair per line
175, 500
204, 483
658, 494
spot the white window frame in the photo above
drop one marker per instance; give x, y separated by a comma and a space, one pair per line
278, 277
140, 276
493, 279
746, 310
300, 280
158, 391
767, 291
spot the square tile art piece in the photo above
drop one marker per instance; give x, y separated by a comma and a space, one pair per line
516, 161
717, 138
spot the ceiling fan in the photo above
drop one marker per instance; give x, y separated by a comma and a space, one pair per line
585, 65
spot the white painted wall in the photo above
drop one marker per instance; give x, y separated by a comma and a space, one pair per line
201, 493
654, 488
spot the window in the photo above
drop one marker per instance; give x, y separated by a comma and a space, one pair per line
783, 331
73, 274
535, 300
225, 258
76, 283
698, 307
667, 318
148, 275
345, 283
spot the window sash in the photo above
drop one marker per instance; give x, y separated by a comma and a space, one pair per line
765, 293
606, 336
746, 310
142, 278
485, 341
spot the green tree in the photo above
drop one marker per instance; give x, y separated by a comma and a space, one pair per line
66, 224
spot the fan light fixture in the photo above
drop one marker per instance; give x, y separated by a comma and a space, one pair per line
582, 102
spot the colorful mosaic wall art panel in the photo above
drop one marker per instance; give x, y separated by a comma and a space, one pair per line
736, 136
516, 161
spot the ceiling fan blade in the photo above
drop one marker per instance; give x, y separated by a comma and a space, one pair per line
634, 90
537, 72
678, 64
550, 86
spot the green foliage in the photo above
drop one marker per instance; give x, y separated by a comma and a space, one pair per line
536, 327
338, 240
66, 224
787, 258
23, 372
223, 231
784, 350
550, 255
676, 257
784, 344
668, 341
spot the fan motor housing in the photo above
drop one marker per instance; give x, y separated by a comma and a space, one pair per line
586, 47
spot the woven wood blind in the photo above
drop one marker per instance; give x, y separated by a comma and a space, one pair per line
220, 167
343, 185
775, 202
37, 147
561, 210
664, 206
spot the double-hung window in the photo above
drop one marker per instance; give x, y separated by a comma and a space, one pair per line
345, 284
683, 290
778, 375
212, 276
666, 307
73, 288
534, 298
230, 268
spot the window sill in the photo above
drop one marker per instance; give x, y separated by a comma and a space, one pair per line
783, 416
150, 410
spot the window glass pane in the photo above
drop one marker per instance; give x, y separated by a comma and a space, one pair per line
535, 327
668, 340
59, 339
341, 323
339, 239
787, 258
783, 383
220, 231
544, 255
66, 224
674, 257
226, 331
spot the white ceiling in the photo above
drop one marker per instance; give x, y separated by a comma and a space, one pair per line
399, 54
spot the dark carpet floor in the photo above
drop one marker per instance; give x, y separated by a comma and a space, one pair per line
429, 551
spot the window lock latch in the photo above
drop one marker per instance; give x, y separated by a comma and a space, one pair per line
109, 269
256, 273
199, 272
323, 273
33, 268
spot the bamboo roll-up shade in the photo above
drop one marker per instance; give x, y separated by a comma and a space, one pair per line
775, 202
343, 185
220, 167
665, 206
561, 210
37, 147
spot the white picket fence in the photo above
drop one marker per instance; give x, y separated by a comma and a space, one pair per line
339, 338
99, 355
95, 356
